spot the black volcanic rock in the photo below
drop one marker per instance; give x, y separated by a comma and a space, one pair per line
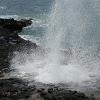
57, 93
14, 25
15, 89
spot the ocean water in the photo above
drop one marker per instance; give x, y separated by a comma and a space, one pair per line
70, 32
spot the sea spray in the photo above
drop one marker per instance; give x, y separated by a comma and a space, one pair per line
67, 28
72, 56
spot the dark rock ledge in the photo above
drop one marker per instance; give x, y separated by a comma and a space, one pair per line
18, 89
10, 40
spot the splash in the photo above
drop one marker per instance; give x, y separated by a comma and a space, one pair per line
72, 54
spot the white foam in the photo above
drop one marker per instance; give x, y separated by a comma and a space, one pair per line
31, 38
9, 16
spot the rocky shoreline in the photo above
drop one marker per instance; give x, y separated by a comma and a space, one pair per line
17, 89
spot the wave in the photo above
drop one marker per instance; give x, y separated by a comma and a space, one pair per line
38, 23
31, 38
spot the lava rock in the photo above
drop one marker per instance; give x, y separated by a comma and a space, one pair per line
16, 89
63, 94
14, 25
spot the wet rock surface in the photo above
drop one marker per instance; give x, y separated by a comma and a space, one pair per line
18, 89
15, 89
56, 93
